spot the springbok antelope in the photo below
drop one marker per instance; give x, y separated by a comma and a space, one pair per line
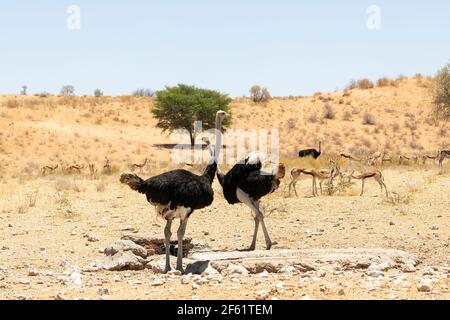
378, 158
140, 166
443, 155
320, 175
48, 168
75, 167
375, 158
349, 156
376, 174
425, 157
403, 158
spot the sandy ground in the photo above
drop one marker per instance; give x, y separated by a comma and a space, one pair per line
74, 216
41, 244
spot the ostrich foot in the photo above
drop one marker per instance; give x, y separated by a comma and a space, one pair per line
270, 244
251, 248
180, 268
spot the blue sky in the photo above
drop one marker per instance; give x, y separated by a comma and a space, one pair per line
291, 47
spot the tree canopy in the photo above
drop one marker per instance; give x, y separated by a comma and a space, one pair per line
181, 106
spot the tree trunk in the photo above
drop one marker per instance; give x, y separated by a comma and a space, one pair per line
192, 136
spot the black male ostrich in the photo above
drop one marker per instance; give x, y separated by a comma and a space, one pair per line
177, 193
246, 183
311, 152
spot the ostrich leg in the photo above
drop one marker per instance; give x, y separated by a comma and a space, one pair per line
255, 233
244, 198
167, 235
259, 218
269, 242
180, 234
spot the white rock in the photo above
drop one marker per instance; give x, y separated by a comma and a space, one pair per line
262, 295
425, 285
384, 266
264, 274
201, 281
279, 285
288, 270
125, 245
375, 274
428, 271
210, 271
157, 282
235, 269
92, 238
408, 268
185, 280
33, 273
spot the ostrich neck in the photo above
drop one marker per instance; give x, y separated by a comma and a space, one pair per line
218, 143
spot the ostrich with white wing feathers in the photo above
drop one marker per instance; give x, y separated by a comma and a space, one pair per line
246, 183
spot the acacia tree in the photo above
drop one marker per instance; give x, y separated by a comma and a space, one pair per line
67, 91
441, 94
98, 93
181, 106
258, 94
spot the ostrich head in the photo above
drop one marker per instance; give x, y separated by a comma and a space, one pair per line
221, 115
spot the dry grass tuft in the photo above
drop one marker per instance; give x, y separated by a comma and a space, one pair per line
101, 186
65, 184
368, 119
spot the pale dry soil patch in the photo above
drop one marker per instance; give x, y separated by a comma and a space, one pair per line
44, 247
